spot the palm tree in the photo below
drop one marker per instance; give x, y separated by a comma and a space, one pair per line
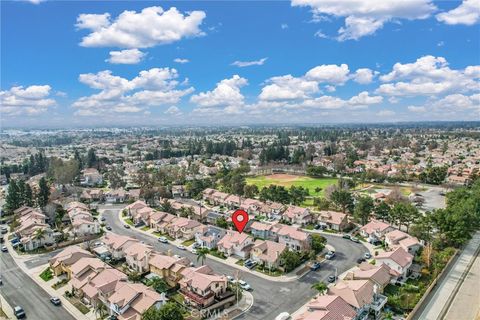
320, 287
100, 309
202, 255
39, 234
158, 284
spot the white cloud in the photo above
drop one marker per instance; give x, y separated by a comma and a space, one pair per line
127, 56
31, 100
385, 113
288, 88
417, 109
330, 88
440, 44
321, 35
363, 76
173, 110
459, 102
467, 13
284, 26
226, 93
428, 75
150, 27
242, 64
365, 17
181, 61
154, 87
364, 99
330, 73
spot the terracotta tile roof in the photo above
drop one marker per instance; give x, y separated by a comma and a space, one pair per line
357, 293
328, 307
399, 256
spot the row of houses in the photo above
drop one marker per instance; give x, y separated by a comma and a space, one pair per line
33, 231
276, 211
110, 196
81, 219
360, 292
200, 286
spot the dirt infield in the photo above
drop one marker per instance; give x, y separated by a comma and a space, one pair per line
282, 177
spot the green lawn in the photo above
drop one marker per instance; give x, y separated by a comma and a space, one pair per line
188, 243
47, 274
306, 182
145, 228
129, 221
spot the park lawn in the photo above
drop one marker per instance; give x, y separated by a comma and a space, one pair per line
306, 182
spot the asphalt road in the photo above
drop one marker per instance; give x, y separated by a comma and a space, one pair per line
271, 298
19, 289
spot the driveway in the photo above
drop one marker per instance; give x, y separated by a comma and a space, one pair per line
19, 289
271, 298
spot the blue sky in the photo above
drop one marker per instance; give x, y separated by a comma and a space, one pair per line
67, 63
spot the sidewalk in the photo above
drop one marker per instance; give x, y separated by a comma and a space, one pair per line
238, 309
6, 308
230, 261
448, 287
34, 275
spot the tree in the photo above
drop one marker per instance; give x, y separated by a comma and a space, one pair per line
343, 199
28, 196
63, 172
382, 211
404, 214
13, 200
221, 222
169, 311
433, 175
91, 159
363, 209
134, 276
202, 255
158, 284
320, 287
39, 234
101, 310
322, 203
250, 191
318, 243
166, 206
43, 193
290, 260
298, 195
115, 178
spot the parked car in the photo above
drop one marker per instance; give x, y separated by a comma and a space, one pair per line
355, 240
127, 226
230, 279
332, 278
163, 240
19, 312
346, 236
315, 266
196, 245
181, 247
367, 255
360, 260
194, 251
283, 316
4, 249
245, 286
4, 230
55, 301
102, 219
1, 281
108, 228
330, 255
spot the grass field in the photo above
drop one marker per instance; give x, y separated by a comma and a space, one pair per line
287, 180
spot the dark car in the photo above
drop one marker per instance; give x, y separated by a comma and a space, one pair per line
346, 236
315, 266
360, 260
19, 313
108, 228
55, 301
331, 279
127, 226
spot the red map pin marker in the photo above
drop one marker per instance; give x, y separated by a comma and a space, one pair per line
240, 219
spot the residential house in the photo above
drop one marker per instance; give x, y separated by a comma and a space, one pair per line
264, 230
33, 231
267, 253
328, 307
235, 243
89, 195
138, 256
294, 238
333, 219
179, 191
398, 260
91, 177
116, 196
183, 228
118, 244
62, 261
132, 208
401, 239
201, 287
380, 275
168, 268
81, 219
297, 215
375, 230
209, 236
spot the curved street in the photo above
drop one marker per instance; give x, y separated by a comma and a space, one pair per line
271, 298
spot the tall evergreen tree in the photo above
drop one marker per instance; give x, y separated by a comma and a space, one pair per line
12, 201
43, 193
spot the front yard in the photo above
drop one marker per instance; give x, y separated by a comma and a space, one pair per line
78, 304
159, 234
46, 274
129, 221
188, 243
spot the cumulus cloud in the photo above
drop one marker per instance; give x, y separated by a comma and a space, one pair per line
330, 73
365, 17
154, 87
150, 27
428, 75
30, 100
242, 64
364, 99
226, 94
181, 61
288, 88
420, 109
467, 13
386, 113
363, 76
173, 110
127, 56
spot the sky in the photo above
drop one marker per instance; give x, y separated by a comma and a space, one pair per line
120, 63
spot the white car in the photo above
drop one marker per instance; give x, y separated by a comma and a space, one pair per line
367, 255
230, 279
163, 240
181, 247
245, 286
194, 251
283, 316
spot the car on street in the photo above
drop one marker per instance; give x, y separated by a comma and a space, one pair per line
1, 281
330, 255
360, 260
230, 279
245, 286
4, 230
194, 251
4, 249
127, 226
283, 316
102, 219
196, 245
55, 301
367, 255
181, 247
355, 240
315, 266
108, 228
163, 240
346, 236
331, 279
19, 312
